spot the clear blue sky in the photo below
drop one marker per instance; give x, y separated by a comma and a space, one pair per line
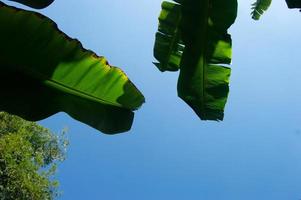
254, 154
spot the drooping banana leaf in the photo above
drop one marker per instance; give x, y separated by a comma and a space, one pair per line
259, 7
43, 71
293, 3
203, 81
38, 4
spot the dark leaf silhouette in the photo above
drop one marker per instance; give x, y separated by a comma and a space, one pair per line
38, 4
293, 3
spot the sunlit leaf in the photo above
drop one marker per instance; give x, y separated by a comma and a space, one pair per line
168, 48
201, 28
259, 7
43, 71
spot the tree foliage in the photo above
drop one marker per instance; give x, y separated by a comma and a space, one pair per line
29, 154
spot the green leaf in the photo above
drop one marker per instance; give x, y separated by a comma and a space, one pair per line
43, 71
202, 30
168, 47
38, 4
259, 7
203, 81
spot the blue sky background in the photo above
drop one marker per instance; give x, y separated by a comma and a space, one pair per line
255, 153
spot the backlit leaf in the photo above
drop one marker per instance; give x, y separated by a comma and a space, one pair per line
43, 71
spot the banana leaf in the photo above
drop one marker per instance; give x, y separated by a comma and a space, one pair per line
38, 4
43, 71
259, 7
201, 28
169, 48
293, 3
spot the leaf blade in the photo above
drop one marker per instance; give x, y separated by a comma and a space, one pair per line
259, 7
293, 4
37, 4
203, 82
61, 64
168, 47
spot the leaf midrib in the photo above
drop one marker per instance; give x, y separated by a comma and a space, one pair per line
62, 87
72, 91
203, 57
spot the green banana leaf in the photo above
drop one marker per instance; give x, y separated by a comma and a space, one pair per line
203, 82
43, 71
169, 48
38, 4
259, 7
